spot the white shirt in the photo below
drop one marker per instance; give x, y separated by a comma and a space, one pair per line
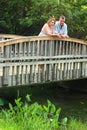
60, 29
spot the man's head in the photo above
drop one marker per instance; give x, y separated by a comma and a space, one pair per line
62, 20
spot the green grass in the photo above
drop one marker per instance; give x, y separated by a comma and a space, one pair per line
74, 124
27, 116
34, 116
39, 124
23, 116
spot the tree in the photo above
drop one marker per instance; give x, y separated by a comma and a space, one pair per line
26, 17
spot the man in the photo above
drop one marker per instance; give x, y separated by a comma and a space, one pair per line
61, 28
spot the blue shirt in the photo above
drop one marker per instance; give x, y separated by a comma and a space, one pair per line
60, 29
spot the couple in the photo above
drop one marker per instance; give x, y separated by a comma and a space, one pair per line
55, 28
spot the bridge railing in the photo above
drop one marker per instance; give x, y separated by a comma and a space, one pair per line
42, 48
8, 36
27, 60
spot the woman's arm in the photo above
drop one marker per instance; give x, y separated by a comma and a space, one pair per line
47, 30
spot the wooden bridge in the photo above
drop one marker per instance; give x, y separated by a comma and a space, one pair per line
29, 60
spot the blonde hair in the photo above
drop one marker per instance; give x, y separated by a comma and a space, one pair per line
51, 19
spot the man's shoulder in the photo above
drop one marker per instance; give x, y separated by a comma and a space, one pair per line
65, 24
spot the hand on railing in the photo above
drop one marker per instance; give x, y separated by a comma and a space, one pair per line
62, 35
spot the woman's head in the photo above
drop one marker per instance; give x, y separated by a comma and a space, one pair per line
51, 21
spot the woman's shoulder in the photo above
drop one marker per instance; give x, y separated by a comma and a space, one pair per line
45, 25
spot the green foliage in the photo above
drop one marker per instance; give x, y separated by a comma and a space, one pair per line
26, 17
27, 116
34, 115
37, 15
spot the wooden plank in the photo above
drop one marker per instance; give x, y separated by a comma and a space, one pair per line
59, 48
45, 48
65, 71
14, 75
27, 74
63, 48
71, 70
5, 75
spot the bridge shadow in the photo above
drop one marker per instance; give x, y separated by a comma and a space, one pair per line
66, 86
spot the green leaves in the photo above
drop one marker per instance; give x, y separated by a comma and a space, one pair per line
26, 17
25, 111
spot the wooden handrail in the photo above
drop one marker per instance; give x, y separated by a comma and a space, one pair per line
9, 36
20, 39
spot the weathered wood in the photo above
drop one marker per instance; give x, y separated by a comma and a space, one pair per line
28, 60
22, 39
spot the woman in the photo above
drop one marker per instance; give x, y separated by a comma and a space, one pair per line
48, 28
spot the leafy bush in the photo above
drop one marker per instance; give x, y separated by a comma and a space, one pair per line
31, 116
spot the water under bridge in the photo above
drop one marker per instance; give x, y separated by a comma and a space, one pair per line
33, 59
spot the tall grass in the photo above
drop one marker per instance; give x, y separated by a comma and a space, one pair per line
27, 116
74, 124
